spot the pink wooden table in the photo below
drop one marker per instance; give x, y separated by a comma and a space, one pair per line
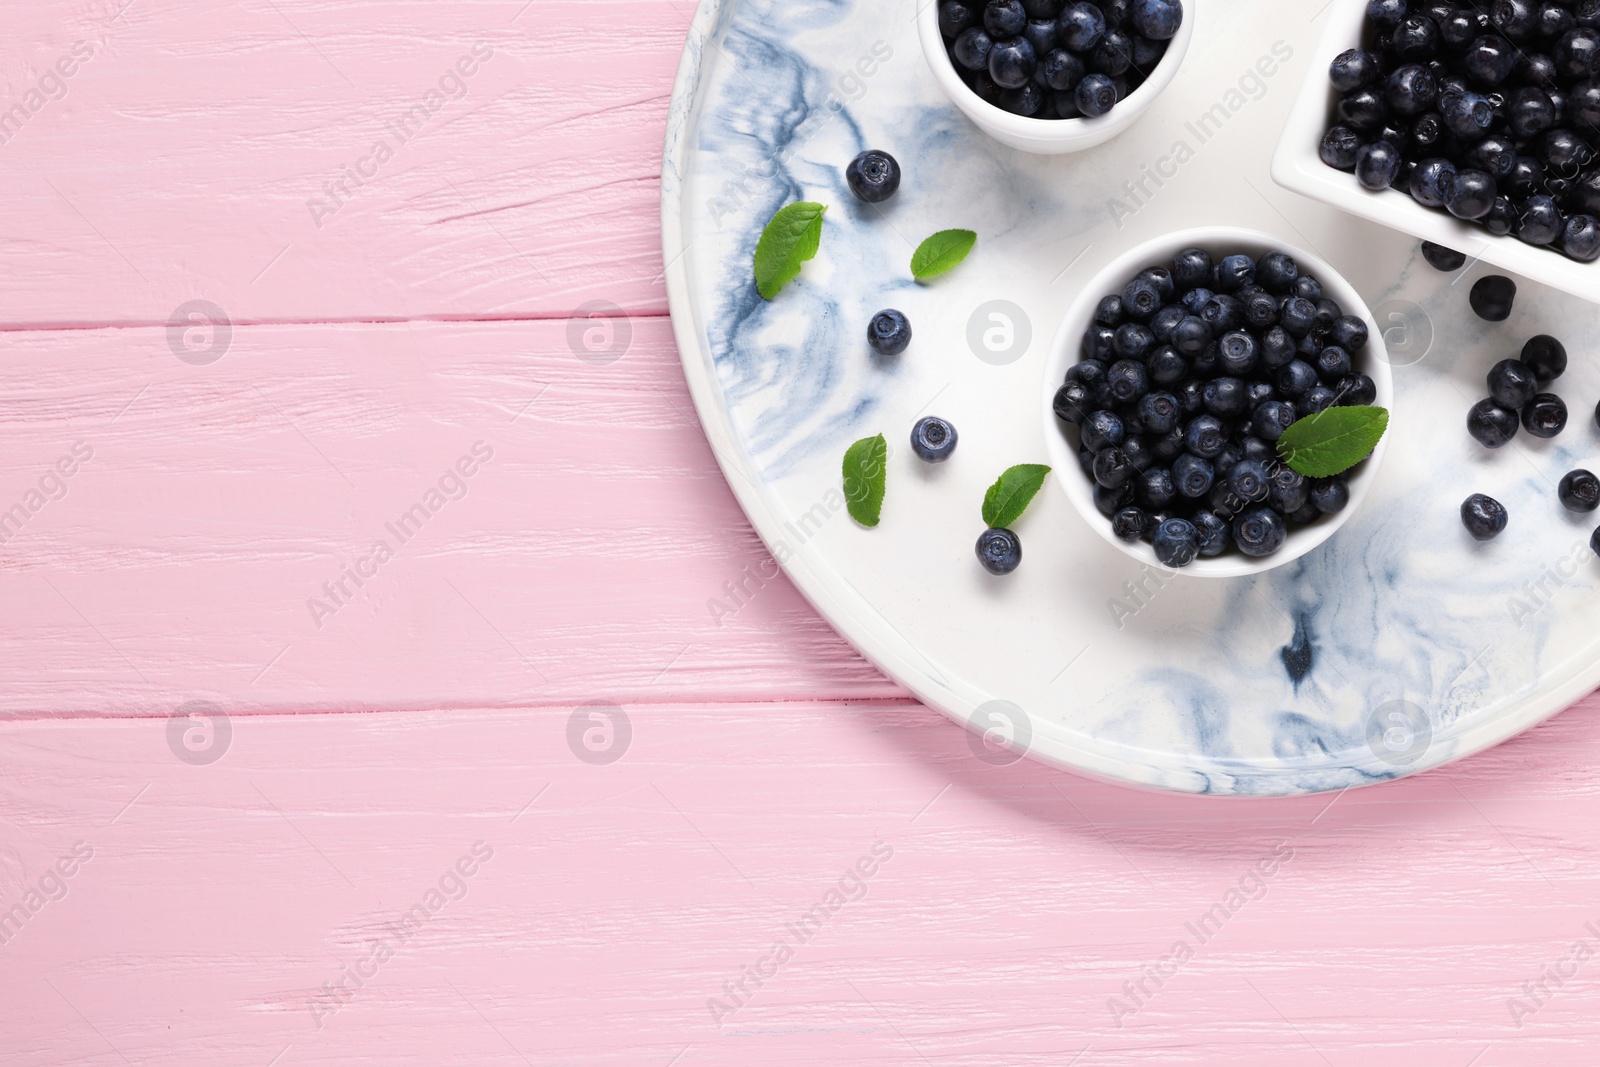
388, 840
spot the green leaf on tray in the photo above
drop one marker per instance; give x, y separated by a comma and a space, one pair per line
1332, 441
866, 465
792, 237
1011, 494
941, 252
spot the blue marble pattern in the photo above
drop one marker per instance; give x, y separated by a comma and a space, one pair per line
1265, 686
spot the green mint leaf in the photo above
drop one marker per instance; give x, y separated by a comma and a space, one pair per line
1011, 494
1332, 441
866, 465
941, 252
792, 237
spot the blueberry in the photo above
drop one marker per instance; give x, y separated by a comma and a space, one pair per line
1526, 178
1512, 383
1096, 95
889, 332
1195, 300
1308, 288
1439, 257
1012, 62
1223, 313
1168, 446
1270, 419
1577, 53
1161, 277
1332, 364
1102, 429
1133, 340
972, 49
1492, 297
1539, 220
1565, 151
1317, 398
1129, 524
1191, 335
1176, 542
955, 17
1192, 397
1071, 403
1433, 183
1467, 115
1502, 217
873, 176
1238, 353
1296, 378
1386, 14
1249, 481
1163, 322
1100, 343
1212, 531
1113, 56
1191, 269
1416, 37
1112, 468
1363, 110
1205, 436
1193, 476
1109, 311
1350, 333
1355, 390
1000, 551
1158, 412
1234, 272
1277, 348
1289, 491
1041, 33
1089, 371
1141, 298
1554, 19
1110, 501
1472, 196
1545, 416
933, 439
1298, 316
1137, 448
1226, 398
1329, 495
1546, 356
1155, 489
1484, 517
1530, 112
1410, 89
1580, 239
1156, 19
1491, 425
1259, 532
1127, 380
1004, 18
1353, 69
1062, 71
1488, 61
1579, 491
1081, 26
1167, 367
1261, 309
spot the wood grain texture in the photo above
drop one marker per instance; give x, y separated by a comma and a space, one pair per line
183, 156
620, 898
190, 557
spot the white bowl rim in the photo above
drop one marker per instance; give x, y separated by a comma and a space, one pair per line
1064, 134
1111, 278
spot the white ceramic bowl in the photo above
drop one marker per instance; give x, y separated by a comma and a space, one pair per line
1049, 136
1297, 166
1061, 440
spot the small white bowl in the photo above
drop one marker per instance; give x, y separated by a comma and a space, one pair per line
1297, 166
1219, 241
1049, 136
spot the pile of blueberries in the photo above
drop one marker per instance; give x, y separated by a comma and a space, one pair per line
1186, 382
1051, 59
1489, 109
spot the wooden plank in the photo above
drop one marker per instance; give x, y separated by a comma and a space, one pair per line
210, 547
1004, 911
197, 151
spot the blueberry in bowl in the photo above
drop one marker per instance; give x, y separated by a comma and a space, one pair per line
1181, 460
1054, 76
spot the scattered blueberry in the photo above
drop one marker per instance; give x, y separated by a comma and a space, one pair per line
999, 551
873, 176
1441, 258
1491, 425
1546, 356
1492, 297
1484, 517
1512, 383
1579, 491
1545, 416
889, 332
933, 439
